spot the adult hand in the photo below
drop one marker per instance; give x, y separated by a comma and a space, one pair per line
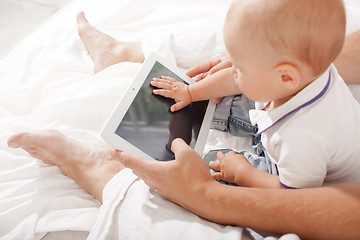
201, 70
204, 69
183, 181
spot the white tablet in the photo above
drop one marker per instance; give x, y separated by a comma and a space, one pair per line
142, 123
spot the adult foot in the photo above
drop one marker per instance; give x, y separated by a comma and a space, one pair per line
105, 50
90, 168
50, 146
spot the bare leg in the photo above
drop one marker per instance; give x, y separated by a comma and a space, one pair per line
91, 169
105, 50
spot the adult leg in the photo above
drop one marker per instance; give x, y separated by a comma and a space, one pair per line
91, 169
105, 50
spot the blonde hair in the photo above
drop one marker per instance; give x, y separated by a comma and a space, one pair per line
312, 31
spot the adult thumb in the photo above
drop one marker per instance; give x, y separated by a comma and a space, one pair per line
178, 145
130, 161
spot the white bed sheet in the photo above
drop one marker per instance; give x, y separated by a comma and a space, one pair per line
47, 82
133, 211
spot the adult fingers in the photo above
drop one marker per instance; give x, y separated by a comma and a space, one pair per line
220, 66
139, 165
200, 77
217, 100
151, 172
202, 67
178, 146
177, 106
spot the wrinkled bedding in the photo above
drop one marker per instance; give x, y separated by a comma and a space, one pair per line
47, 82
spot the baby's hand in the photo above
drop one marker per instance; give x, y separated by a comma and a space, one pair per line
231, 167
171, 88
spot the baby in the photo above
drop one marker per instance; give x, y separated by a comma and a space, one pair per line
309, 122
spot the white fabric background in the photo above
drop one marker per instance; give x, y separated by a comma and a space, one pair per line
47, 82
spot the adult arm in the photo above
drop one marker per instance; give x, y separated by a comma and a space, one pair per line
310, 213
314, 213
348, 61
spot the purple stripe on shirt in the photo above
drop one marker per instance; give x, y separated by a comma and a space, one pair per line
285, 186
301, 106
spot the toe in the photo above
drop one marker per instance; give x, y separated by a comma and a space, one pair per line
23, 140
15, 140
81, 18
35, 140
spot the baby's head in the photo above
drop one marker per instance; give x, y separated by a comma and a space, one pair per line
294, 39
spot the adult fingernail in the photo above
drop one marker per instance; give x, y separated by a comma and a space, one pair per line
13, 144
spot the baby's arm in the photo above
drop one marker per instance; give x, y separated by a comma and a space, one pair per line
219, 84
235, 168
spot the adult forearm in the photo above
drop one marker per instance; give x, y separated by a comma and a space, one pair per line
318, 213
310, 213
348, 61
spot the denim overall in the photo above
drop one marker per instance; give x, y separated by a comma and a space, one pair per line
232, 115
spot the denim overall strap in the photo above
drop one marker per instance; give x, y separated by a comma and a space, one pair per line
232, 115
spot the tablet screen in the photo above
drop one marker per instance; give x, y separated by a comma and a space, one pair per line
150, 126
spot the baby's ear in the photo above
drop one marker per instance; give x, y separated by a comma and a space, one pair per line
289, 75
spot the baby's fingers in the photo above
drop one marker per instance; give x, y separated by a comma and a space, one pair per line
217, 176
169, 79
161, 84
220, 156
163, 92
214, 165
